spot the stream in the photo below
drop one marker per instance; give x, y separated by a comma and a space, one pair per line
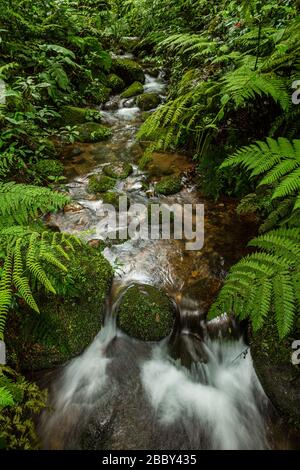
121, 393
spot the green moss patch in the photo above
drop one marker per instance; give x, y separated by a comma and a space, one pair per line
100, 184
129, 70
92, 132
145, 313
66, 324
48, 167
72, 115
133, 90
116, 83
168, 185
148, 101
118, 170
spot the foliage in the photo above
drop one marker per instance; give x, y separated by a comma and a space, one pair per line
20, 400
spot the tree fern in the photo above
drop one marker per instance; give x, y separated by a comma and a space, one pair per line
265, 282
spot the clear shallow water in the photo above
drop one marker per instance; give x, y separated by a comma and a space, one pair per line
193, 390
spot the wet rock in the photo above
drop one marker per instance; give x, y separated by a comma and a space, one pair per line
116, 83
168, 185
66, 325
145, 313
112, 104
148, 101
73, 207
129, 70
92, 132
76, 151
118, 170
134, 89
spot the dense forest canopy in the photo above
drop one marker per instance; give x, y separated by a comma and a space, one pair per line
232, 106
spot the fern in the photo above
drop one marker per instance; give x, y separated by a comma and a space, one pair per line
20, 203
263, 283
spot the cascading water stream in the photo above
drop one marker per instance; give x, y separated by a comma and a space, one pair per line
186, 392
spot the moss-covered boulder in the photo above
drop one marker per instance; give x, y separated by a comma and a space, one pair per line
113, 198
72, 115
279, 377
145, 313
67, 323
100, 184
168, 185
92, 132
148, 101
116, 83
136, 88
129, 70
119, 170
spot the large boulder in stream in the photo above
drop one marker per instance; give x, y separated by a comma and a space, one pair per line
145, 313
148, 101
100, 184
168, 185
68, 322
116, 83
129, 70
136, 88
72, 115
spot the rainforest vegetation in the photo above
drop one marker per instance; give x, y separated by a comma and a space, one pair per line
232, 107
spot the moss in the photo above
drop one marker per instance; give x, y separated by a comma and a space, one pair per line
129, 70
118, 170
148, 101
168, 185
92, 132
71, 115
278, 376
100, 184
145, 313
136, 88
97, 93
112, 198
48, 167
67, 324
116, 83
145, 161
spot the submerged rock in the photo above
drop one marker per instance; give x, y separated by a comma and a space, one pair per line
100, 184
148, 101
67, 323
118, 170
133, 90
129, 70
168, 185
92, 132
145, 313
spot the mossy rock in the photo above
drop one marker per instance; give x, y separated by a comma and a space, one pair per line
118, 170
116, 83
48, 167
279, 378
91, 132
145, 313
100, 184
168, 185
148, 101
66, 324
136, 88
113, 198
72, 115
129, 70
145, 161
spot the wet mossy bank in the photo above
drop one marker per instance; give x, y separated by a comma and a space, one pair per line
279, 378
67, 323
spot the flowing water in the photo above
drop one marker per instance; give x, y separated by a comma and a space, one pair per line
196, 389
